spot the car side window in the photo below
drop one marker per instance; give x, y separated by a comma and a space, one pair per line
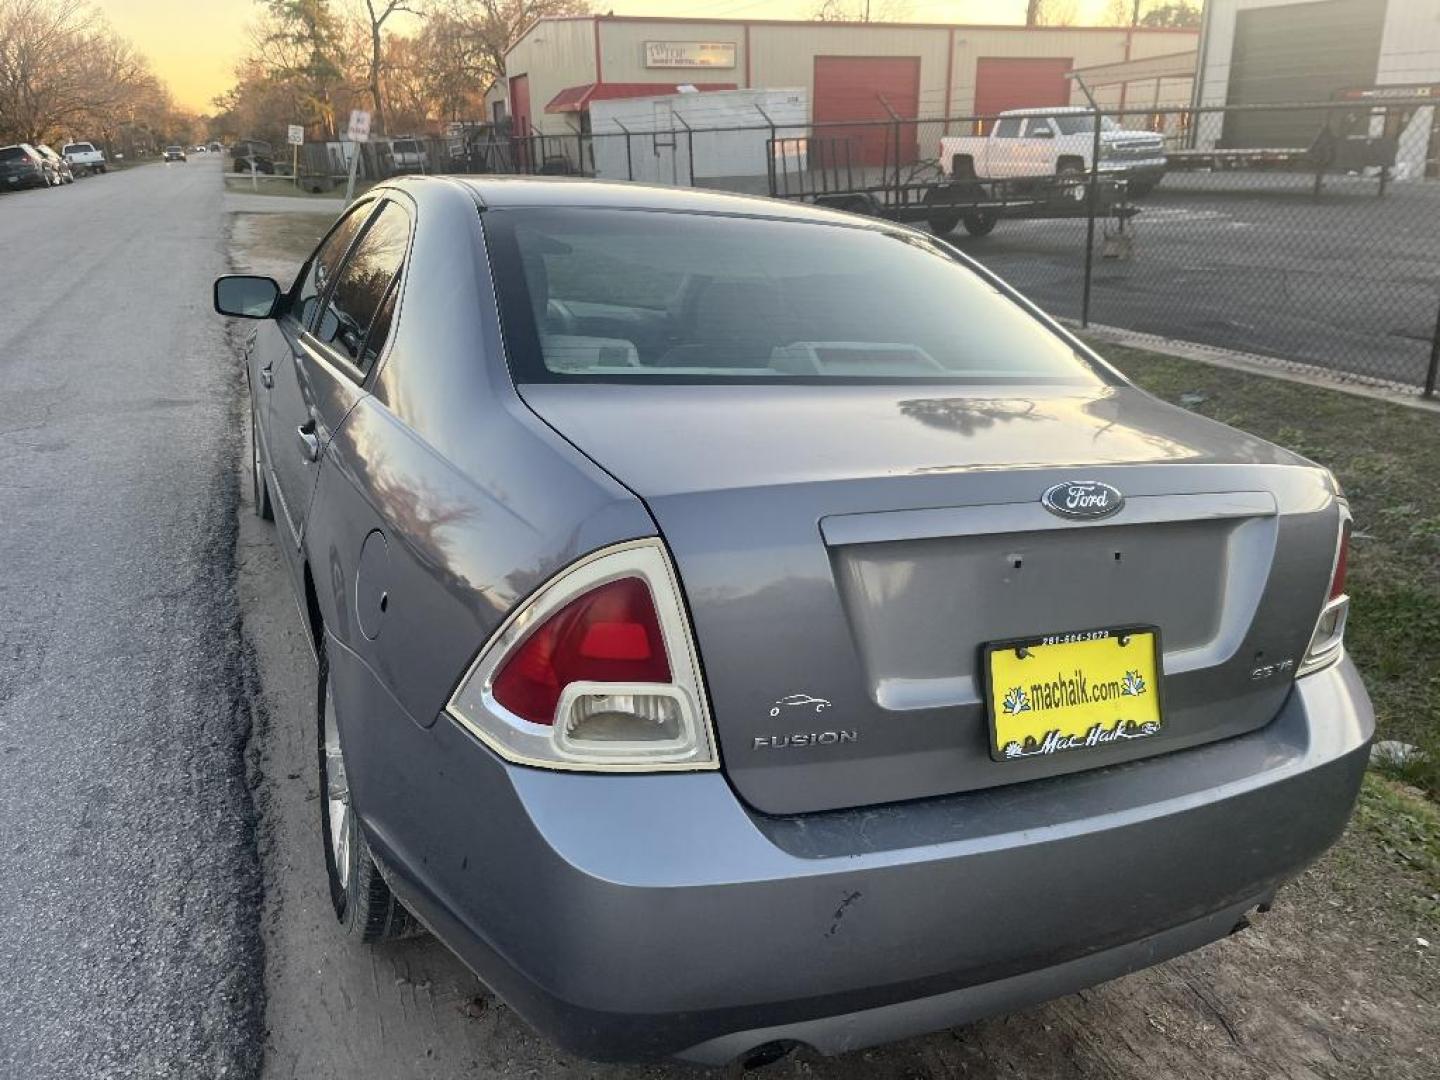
1008, 128
360, 308
1038, 126
316, 274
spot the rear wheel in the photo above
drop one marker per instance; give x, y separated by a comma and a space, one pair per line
945, 216
1071, 175
980, 224
363, 903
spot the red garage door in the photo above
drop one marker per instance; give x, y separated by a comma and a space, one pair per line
851, 88
1012, 82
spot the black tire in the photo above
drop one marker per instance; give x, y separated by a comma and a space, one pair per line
1071, 176
980, 224
364, 905
943, 224
259, 486
945, 218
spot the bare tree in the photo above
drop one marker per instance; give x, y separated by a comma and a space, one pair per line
379, 11
494, 25
455, 70
862, 11
63, 69
1050, 12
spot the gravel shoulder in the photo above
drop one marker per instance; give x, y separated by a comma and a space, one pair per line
1333, 982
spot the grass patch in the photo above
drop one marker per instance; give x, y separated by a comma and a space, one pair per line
1406, 825
241, 184
1387, 458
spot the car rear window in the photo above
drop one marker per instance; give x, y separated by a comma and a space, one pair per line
406, 146
13, 153
635, 295
78, 148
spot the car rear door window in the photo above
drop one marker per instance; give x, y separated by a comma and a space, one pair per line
359, 309
1008, 128
317, 274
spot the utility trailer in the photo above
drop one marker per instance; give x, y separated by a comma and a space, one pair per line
1329, 153
832, 172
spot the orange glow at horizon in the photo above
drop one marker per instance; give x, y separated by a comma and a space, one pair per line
194, 45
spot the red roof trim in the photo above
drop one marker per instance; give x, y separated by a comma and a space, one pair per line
575, 99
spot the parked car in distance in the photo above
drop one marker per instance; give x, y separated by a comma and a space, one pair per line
60, 166
198, 148
741, 623
174, 153
22, 166
216, 148
408, 155
83, 158
1047, 143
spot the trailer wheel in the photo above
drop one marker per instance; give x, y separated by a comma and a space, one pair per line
980, 224
945, 217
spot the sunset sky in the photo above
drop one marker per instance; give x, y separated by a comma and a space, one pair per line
194, 44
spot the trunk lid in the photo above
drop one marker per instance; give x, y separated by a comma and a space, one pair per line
846, 553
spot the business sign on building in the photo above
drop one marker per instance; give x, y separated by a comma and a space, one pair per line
689, 54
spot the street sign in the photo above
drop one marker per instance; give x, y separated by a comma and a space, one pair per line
359, 129
296, 136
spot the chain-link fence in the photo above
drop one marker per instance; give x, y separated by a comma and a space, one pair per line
1307, 234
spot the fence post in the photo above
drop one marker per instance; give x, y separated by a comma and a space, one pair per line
689, 148
629, 155
1431, 375
1091, 198
895, 131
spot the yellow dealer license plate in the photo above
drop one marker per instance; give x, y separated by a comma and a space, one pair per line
1078, 691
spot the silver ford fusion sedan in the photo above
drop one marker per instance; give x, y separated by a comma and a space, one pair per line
741, 624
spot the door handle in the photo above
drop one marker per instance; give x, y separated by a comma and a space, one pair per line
267, 377
309, 441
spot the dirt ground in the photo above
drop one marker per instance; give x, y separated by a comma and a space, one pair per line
1338, 980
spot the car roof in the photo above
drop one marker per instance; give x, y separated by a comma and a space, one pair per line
503, 191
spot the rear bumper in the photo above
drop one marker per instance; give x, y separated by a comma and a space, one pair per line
644, 916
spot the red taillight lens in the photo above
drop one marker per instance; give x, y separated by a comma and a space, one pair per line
611, 634
1342, 561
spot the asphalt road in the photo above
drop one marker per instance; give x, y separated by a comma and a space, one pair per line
129, 944
1253, 262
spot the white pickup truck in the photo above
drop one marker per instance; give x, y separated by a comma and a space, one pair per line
1038, 143
83, 157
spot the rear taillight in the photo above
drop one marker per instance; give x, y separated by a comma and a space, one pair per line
609, 635
1328, 639
1342, 561
597, 670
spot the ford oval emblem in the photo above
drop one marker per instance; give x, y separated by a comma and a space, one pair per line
1082, 499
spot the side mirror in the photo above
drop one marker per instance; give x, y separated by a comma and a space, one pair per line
246, 296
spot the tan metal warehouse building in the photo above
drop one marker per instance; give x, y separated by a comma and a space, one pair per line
919, 70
